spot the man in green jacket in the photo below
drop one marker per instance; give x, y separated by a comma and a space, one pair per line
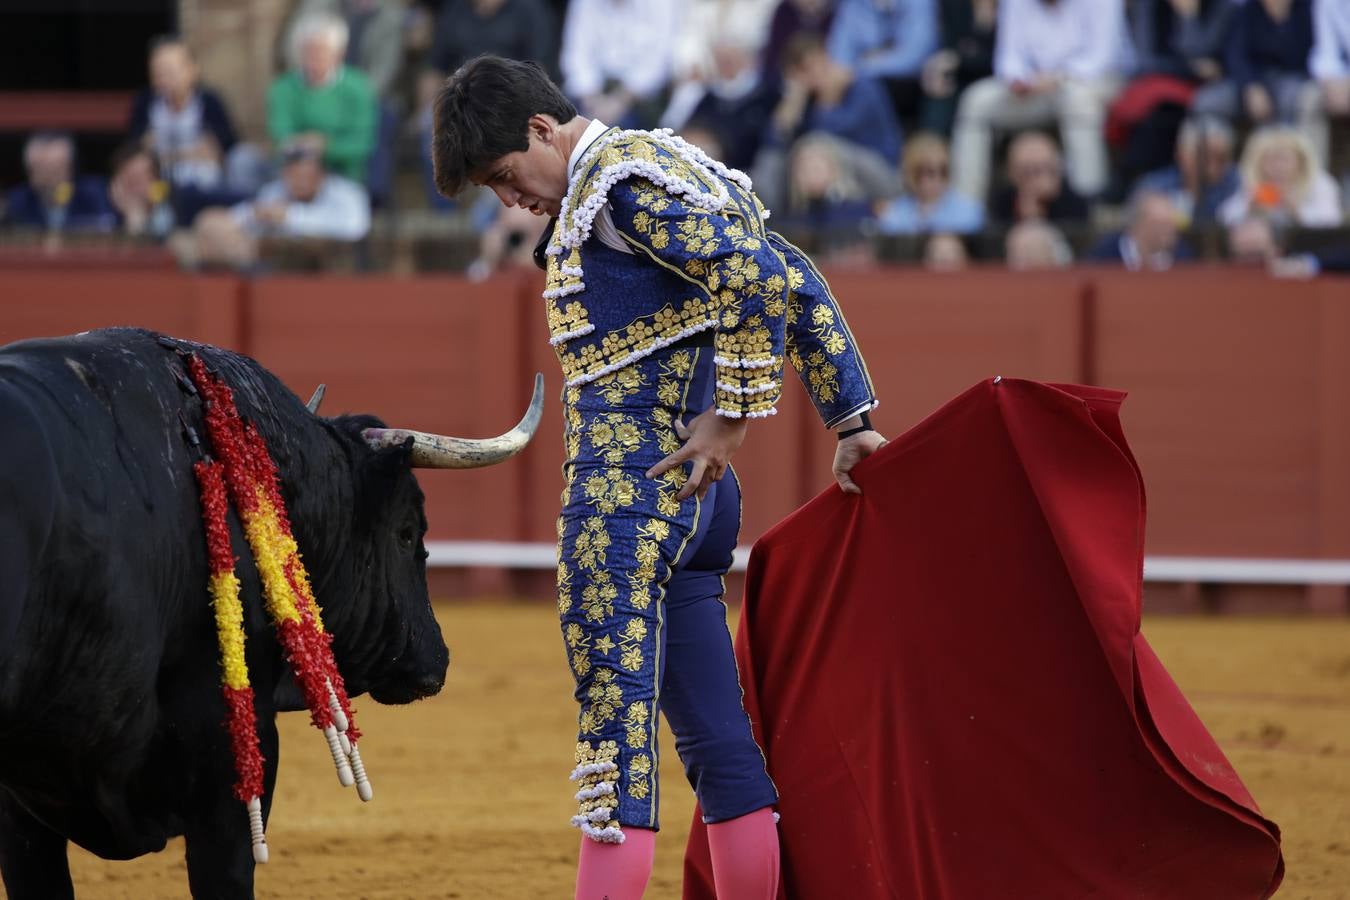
322, 96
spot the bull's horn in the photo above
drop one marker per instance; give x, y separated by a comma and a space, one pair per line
314, 401
434, 451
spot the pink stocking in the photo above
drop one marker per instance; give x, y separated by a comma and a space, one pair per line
616, 871
745, 856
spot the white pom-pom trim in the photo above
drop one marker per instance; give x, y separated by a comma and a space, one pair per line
600, 790
595, 768
575, 287
596, 815
728, 362
608, 835
737, 414
568, 335
742, 391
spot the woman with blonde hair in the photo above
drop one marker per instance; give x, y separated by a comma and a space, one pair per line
1282, 179
929, 203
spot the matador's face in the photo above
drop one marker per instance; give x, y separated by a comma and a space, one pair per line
535, 178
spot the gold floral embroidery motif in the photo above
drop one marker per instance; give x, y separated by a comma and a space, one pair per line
639, 768
630, 644
564, 589
618, 386
735, 232
635, 724
648, 554
653, 229
589, 552
611, 490
606, 698
578, 646
604, 645
614, 436
822, 375
668, 389
698, 236
597, 598
823, 318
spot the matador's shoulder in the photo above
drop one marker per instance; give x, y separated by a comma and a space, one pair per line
665, 162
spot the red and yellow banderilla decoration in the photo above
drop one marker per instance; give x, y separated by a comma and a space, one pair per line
244, 472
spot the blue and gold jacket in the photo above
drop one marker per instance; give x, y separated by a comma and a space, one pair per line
702, 259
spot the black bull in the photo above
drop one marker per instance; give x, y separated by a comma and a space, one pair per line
111, 716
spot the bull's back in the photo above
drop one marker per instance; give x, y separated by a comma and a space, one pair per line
99, 503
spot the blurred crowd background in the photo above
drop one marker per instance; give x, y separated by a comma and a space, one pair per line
1029, 133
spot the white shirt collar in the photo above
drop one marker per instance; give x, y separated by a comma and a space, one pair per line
588, 137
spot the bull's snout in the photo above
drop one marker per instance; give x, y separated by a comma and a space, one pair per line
414, 676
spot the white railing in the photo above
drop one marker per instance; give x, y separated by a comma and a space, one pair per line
1223, 570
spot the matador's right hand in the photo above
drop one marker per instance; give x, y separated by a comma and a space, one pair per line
709, 442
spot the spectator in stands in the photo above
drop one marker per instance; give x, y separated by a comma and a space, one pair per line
732, 99
929, 203
1185, 39
375, 38
966, 55
945, 252
1330, 66
791, 18
1203, 176
1267, 67
306, 202
508, 242
1282, 180
1179, 45
1054, 60
187, 126
1151, 241
1036, 188
322, 96
705, 23
515, 29
824, 195
1253, 240
55, 198
139, 195
1036, 244
825, 99
888, 41
617, 58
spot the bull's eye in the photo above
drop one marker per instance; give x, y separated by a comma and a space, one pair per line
405, 537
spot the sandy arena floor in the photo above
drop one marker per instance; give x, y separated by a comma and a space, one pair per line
472, 799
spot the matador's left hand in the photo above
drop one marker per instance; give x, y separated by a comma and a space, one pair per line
851, 451
709, 441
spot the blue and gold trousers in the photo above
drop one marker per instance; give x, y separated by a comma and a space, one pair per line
640, 584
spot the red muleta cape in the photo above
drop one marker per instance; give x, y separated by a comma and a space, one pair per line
948, 680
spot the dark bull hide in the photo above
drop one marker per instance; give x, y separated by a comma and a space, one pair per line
111, 717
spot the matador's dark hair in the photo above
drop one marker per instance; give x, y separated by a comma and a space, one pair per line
482, 113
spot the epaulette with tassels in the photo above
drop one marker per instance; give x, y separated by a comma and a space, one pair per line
243, 471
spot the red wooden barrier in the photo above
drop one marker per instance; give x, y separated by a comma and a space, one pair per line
1240, 386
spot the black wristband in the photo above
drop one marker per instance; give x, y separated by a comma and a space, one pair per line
865, 426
